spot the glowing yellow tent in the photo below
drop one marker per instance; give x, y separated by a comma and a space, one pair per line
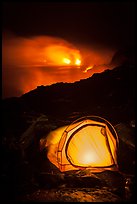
89, 142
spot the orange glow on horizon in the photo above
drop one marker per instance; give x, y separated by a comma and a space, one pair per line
78, 62
43, 60
88, 68
66, 61
55, 53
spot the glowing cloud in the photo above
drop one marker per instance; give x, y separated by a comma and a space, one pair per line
43, 60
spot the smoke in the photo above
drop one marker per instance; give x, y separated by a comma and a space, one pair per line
34, 61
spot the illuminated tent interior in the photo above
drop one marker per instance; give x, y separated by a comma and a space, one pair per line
89, 142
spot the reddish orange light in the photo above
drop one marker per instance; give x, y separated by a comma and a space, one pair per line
66, 61
78, 62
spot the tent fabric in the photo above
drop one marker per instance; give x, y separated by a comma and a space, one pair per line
89, 142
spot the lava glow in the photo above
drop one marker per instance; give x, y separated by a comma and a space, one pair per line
58, 54
44, 60
66, 61
78, 62
88, 68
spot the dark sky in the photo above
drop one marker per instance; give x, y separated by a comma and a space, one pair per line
110, 23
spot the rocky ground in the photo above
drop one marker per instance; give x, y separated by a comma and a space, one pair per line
29, 176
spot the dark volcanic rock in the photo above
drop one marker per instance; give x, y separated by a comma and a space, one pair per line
111, 95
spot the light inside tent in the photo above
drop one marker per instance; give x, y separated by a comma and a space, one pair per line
88, 148
86, 144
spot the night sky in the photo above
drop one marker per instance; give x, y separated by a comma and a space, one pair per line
102, 25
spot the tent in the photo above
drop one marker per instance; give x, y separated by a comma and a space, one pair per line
89, 142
